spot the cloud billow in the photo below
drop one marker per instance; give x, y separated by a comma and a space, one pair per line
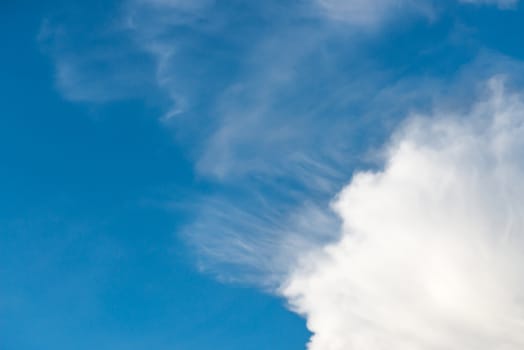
431, 250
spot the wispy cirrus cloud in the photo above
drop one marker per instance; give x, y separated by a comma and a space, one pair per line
151, 45
373, 14
258, 222
286, 106
94, 66
502, 4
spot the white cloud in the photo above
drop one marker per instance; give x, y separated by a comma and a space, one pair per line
431, 254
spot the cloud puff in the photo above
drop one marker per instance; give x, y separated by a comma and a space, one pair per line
431, 253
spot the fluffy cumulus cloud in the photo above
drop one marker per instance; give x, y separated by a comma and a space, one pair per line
431, 252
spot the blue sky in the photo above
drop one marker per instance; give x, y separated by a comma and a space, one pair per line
171, 168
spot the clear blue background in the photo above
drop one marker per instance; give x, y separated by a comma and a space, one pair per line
84, 263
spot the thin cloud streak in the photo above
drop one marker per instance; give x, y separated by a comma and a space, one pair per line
501, 4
